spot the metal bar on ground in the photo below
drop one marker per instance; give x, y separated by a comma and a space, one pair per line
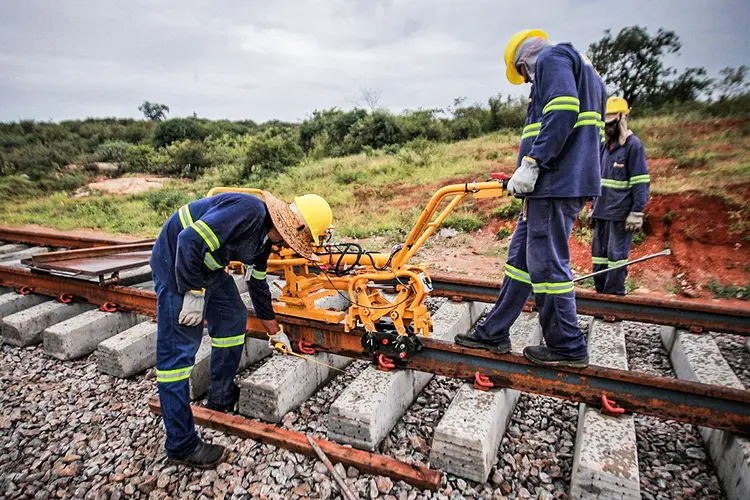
692, 316
89, 253
698, 404
370, 463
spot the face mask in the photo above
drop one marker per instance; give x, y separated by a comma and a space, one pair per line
612, 129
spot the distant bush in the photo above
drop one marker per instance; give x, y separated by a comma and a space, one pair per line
503, 233
272, 155
37, 160
178, 130
188, 158
111, 151
377, 130
167, 201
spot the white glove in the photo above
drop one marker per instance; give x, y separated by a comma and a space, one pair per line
192, 308
524, 178
280, 338
634, 222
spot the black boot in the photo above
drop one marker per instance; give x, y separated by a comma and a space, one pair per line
205, 456
542, 355
469, 340
225, 407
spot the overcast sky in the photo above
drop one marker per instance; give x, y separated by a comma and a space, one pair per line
248, 59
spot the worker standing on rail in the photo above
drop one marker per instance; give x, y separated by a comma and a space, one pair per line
558, 169
618, 212
188, 262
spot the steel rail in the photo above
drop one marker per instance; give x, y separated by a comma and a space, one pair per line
691, 402
691, 316
52, 238
695, 317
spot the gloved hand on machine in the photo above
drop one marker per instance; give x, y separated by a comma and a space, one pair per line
524, 178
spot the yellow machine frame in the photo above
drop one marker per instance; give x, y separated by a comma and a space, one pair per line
363, 286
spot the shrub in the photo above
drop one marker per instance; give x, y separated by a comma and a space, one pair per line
463, 222
695, 160
509, 211
188, 158
178, 129
639, 237
720, 291
377, 130
503, 233
272, 155
166, 201
37, 160
111, 151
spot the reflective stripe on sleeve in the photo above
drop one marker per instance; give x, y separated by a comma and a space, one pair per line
611, 183
531, 130
640, 179
563, 103
207, 234
211, 262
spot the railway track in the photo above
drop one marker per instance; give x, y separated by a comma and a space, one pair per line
697, 395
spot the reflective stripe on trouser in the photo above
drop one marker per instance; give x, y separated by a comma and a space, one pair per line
176, 346
611, 240
539, 250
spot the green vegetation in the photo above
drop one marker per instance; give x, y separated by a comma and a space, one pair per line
461, 221
720, 291
503, 233
510, 210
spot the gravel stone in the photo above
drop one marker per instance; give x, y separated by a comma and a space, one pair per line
667, 468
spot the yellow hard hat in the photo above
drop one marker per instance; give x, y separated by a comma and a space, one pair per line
616, 105
316, 213
511, 72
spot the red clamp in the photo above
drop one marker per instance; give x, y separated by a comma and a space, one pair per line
305, 347
610, 407
65, 298
385, 363
499, 176
25, 290
482, 382
109, 307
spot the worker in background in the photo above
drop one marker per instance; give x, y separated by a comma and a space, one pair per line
618, 212
558, 169
188, 262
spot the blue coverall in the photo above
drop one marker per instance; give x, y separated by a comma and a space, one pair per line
625, 186
193, 248
563, 133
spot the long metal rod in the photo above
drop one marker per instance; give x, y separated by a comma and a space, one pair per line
370, 463
663, 253
699, 404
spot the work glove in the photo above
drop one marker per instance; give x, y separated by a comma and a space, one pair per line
192, 308
280, 338
524, 178
634, 222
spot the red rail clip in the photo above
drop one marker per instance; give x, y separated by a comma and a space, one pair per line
25, 290
482, 382
109, 307
610, 407
609, 319
457, 298
305, 347
65, 298
385, 363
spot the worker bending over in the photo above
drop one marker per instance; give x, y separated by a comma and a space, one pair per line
619, 210
188, 262
558, 169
